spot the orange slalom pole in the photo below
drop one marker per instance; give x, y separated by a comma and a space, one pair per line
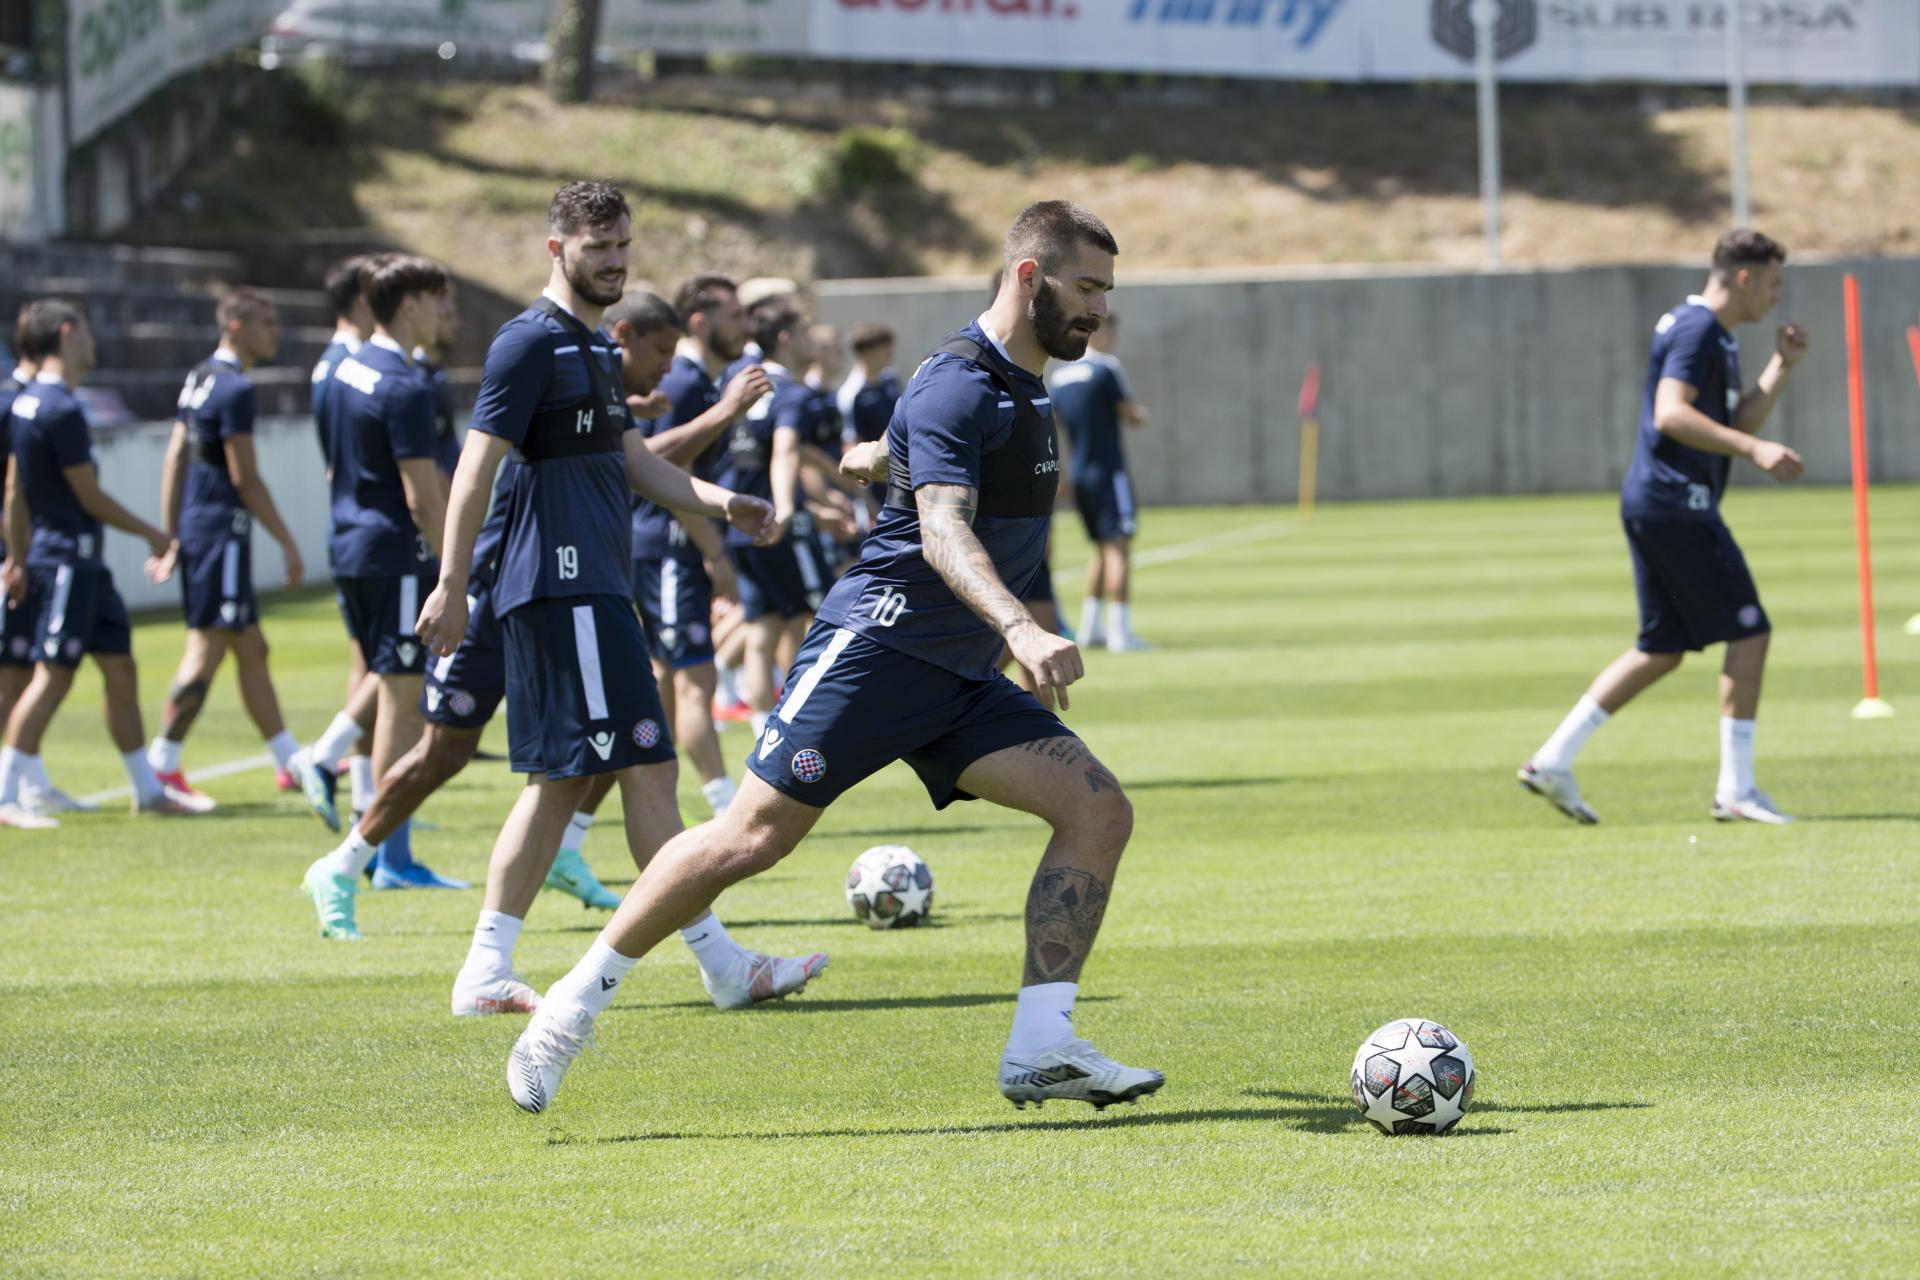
1870, 706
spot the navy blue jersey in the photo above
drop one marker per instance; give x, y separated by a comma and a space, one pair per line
216, 404
750, 444
656, 530
493, 530
48, 433
951, 417
1087, 395
872, 406
10, 388
323, 368
1667, 479
822, 422
567, 512
446, 437
377, 413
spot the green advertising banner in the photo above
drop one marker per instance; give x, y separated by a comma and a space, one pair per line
119, 51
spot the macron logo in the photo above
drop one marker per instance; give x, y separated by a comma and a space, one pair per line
602, 744
772, 740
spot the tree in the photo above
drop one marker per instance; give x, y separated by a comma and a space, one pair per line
572, 40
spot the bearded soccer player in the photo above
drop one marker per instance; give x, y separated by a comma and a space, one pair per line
211, 493
900, 665
1691, 577
581, 700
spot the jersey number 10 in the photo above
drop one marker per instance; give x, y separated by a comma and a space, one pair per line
888, 608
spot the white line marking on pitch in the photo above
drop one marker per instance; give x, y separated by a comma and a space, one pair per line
1212, 542
207, 774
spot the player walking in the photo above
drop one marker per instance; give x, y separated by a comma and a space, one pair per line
581, 700
1690, 574
900, 666
1094, 401
211, 492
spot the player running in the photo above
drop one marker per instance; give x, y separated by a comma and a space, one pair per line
1690, 574
211, 492
581, 700
900, 666
1094, 402
79, 610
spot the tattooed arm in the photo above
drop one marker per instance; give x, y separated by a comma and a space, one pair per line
948, 544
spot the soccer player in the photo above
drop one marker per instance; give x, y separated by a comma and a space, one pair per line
16, 630
80, 612
211, 492
581, 700
900, 666
1093, 400
388, 509
1691, 577
680, 564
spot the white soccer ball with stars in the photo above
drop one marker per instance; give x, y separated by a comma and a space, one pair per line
890, 887
1412, 1076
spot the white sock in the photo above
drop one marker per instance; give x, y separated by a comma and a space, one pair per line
1736, 758
491, 955
593, 982
283, 747
145, 786
760, 719
1119, 621
339, 738
33, 771
1042, 1016
725, 692
361, 767
1090, 632
1559, 750
164, 755
575, 836
353, 855
711, 946
12, 766
719, 793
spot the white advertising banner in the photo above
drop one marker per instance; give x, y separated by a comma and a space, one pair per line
16, 161
119, 51
407, 26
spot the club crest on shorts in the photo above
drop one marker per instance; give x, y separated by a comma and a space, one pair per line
21, 646
1749, 615
646, 734
809, 765
73, 647
696, 633
461, 701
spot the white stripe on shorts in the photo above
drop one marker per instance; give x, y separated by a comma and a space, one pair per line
809, 571
669, 592
62, 588
808, 682
445, 664
409, 602
586, 644
230, 571
1123, 494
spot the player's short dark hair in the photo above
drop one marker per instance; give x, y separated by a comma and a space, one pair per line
1052, 231
394, 277
236, 304
586, 206
702, 293
40, 324
1745, 247
644, 313
343, 284
771, 319
865, 337
20, 329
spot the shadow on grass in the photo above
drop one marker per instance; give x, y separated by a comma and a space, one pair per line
964, 1000
1324, 1113
1205, 784
898, 833
1857, 817
1088, 1122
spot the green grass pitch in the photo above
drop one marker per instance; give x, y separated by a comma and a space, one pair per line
1692, 1038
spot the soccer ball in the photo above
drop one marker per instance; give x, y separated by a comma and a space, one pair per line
1412, 1076
890, 887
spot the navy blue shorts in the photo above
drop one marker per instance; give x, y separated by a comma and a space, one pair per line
676, 607
853, 707
580, 693
80, 613
1105, 500
785, 580
464, 689
17, 628
216, 583
1041, 588
380, 614
1693, 585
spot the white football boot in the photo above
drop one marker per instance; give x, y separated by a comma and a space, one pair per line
757, 977
1559, 789
544, 1051
476, 997
45, 802
1076, 1070
12, 815
1755, 806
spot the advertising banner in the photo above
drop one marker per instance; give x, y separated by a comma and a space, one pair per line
119, 51
16, 161
701, 26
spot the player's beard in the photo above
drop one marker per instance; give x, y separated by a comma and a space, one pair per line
592, 288
1059, 337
